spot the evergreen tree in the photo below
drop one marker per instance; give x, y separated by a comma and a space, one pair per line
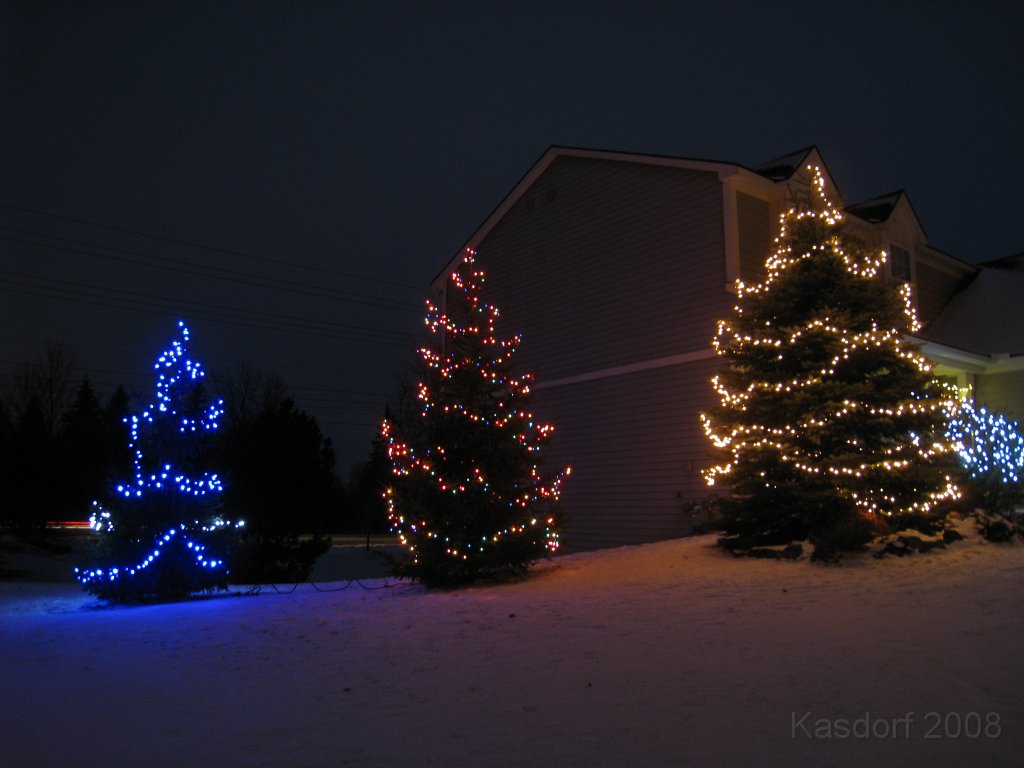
7, 513
364, 510
467, 496
118, 449
280, 473
161, 533
830, 423
33, 482
85, 454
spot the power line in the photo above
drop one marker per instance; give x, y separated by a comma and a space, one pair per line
212, 273
139, 306
155, 300
193, 244
262, 366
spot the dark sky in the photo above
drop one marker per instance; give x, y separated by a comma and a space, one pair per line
288, 177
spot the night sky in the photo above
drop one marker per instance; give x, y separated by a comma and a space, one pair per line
288, 177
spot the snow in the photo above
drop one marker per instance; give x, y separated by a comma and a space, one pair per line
665, 654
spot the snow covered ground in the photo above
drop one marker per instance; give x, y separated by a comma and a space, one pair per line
667, 654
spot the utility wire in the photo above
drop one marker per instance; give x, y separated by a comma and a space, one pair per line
155, 300
31, 290
218, 273
193, 244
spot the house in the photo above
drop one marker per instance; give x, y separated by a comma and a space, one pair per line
616, 267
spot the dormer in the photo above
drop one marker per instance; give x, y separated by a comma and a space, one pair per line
894, 228
889, 222
755, 199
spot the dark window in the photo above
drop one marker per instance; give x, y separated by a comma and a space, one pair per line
899, 263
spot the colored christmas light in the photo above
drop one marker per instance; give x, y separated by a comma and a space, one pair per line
471, 358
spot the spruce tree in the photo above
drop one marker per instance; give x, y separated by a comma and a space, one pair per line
84, 458
280, 477
161, 535
830, 423
467, 496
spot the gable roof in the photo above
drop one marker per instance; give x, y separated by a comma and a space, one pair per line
554, 152
1014, 261
984, 317
783, 168
779, 169
877, 209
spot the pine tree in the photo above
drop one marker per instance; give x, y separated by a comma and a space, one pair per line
364, 512
161, 534
280, 472
83, 453
467, 496
830, 422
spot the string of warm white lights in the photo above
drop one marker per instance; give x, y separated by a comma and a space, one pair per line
800, 386
471, 359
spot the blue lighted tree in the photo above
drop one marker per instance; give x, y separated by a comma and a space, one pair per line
991, 449
161, 534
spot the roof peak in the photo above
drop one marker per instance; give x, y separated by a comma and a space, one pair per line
877, 209
783, 167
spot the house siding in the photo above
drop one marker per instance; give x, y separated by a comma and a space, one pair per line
755, 236
614, 270
604, 264
933, 290
1002, 393
636, 448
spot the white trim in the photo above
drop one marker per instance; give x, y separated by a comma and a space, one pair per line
731, 240
623, 370
964, 360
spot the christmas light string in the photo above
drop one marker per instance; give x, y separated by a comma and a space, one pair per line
793, 445
177, 376
987, 443
457, 475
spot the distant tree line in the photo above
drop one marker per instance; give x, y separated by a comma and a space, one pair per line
62, 445
58, 443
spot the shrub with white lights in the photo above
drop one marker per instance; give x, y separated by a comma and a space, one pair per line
829, 424
991, 449
160, 533
467, 496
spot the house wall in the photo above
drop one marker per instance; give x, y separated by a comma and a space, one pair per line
939, 277
636, 447
616, 272
934, 288
611, 271
1002, 393
753, 215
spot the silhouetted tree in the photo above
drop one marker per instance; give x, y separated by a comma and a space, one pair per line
32, 470
279, 469
365, 510
119, 449
85, 455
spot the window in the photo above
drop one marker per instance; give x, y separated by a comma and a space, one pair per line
899, 263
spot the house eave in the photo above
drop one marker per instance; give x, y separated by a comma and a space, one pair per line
954, 359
